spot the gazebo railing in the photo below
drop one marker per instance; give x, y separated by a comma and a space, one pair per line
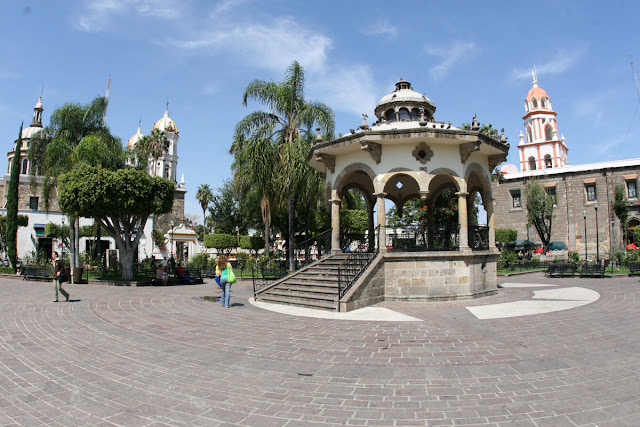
430, 237
479, 237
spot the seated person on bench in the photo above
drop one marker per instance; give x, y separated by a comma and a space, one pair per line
162, 275
181, 272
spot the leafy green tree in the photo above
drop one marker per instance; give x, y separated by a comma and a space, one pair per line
149, 147
76, 136
252, 243
204, 196
353, 221
621, 209
539, 211
222, 243
22, 221
12, 204
289, 117
444, 211
200, 231
506, 235
120, 201
487, 129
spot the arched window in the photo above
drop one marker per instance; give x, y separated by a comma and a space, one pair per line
166, 171
526, 106
532, 163
390, 116
547, 161
25, 165
543, 102
529, 134
415, 114
548, 132
404, 115
534, 102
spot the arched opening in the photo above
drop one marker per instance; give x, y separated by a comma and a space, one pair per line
543, 102
526, 106
529, 135
415, 114
532, 163
548, 132
534, 102
390, 116
166, 171
25, 166
404, 115
631, 226
547, 161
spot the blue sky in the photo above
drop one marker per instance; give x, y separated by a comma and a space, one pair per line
468, 57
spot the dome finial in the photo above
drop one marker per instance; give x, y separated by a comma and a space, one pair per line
534, 74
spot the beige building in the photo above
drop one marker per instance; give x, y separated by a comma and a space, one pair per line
583, 215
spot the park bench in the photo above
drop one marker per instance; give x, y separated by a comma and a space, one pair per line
209, 272
592, 270
150, 277
634, 268
36, 273
561, 270
196, 276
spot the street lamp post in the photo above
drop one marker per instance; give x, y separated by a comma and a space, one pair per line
171, 239
584, 214
595, 206
62, 240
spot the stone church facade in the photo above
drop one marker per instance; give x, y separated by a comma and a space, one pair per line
583, 214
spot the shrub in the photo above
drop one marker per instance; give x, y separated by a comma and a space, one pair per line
573, 257
506, 234
242, 260
507, 258
199, 261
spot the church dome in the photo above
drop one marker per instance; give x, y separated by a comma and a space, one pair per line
29, 132
404, 98
166, 124
134, 139
537, 98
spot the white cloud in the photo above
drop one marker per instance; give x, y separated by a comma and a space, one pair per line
272, 46
450, 56
96, 15
591, 107
226, 6
347, 88
380, 28
559, 63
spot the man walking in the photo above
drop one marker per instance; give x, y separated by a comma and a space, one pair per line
58, 275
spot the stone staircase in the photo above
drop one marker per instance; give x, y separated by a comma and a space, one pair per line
315, 286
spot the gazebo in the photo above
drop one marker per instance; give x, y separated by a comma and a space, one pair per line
181, 241
407, 154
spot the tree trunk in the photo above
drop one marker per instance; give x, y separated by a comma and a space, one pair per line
76, 242
266, 237
72, 239
126, 260
292, 233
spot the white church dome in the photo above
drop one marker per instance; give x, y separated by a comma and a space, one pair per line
135, 138
166, 124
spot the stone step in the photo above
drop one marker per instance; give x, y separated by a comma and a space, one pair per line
323, 305
312, 281
309, 287
324, 296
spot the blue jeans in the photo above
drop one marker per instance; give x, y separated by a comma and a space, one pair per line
225, 291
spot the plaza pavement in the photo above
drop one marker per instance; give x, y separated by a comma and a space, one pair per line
163, 356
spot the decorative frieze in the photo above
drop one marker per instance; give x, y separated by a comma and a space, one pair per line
423, 153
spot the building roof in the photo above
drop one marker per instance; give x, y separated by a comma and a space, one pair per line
574, 168
166, 124
135, 138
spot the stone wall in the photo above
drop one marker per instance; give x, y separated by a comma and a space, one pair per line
569, 224
369, 289
25, 192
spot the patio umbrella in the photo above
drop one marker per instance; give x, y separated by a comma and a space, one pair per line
538, 251
632, 246
521, 245
557, 246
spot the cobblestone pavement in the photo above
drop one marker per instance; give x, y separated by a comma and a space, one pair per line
163, 356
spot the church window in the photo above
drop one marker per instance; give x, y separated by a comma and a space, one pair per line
547, 161
390, 115
591, 192
544, 103
532, 163
404, 115
548, 132
529, 134
25, 165
551, 191
526, 106
33, 203
631, 190
166, 171
516, 200
534, 102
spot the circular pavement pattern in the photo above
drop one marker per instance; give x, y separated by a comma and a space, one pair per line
163, 356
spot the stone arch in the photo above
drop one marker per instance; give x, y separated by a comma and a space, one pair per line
350, 169
401, 186
477, 178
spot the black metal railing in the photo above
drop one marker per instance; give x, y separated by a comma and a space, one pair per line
359, 242
479, 237
431, 237
312, 249
351, 269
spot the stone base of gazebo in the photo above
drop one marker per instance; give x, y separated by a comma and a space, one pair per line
425, 276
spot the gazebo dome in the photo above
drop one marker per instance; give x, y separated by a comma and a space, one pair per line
135, 138
392, 106
166, 124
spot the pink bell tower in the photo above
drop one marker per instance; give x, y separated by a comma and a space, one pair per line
540, 147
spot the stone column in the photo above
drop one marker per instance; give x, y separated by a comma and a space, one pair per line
371, 229
490, 222
382, 222
463, 221
335, 224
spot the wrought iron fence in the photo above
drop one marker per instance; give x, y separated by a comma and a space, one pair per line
351, 269
430, 237
359, 242
312, 249
479, 237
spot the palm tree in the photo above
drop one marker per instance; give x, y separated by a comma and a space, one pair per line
76, 135
204, 195
289, 117
149, 147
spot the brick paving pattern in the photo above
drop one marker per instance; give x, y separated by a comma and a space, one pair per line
162, 356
